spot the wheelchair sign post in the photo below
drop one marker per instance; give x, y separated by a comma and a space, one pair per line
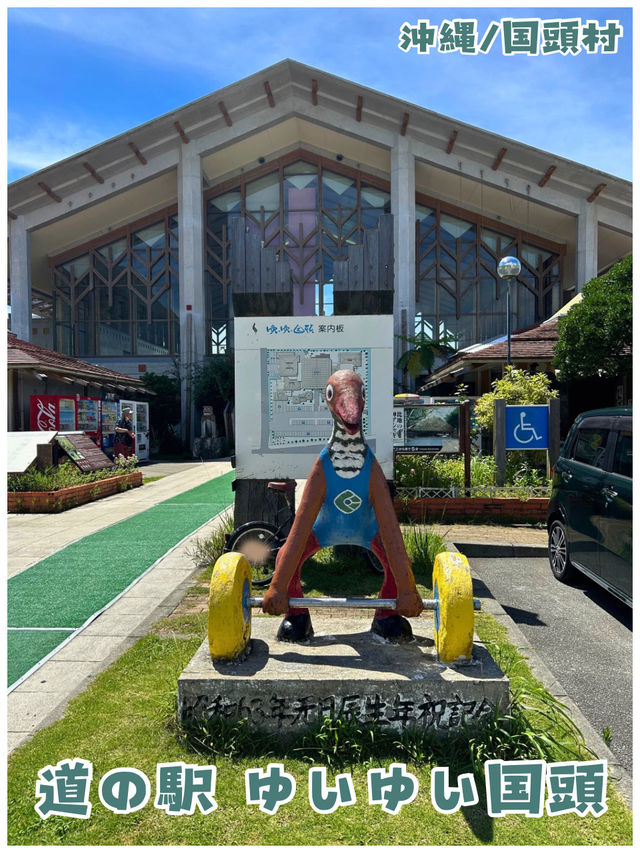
525, 428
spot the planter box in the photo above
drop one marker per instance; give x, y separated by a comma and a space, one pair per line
72, 496
478, 510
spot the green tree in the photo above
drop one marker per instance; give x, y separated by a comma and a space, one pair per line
164, 404
517, 387
213, 383
594, 338
420, 357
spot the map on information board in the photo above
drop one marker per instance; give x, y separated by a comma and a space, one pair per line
296, 380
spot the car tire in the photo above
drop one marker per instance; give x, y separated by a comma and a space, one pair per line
561, 565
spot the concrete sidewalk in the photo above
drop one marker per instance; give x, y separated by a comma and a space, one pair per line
34, 536
43, 696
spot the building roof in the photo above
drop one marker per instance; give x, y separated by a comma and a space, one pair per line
299, 89
533, 344
536, 343
24, 355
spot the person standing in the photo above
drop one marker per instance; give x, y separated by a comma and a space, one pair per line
125, 436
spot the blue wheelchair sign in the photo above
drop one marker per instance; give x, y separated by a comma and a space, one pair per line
527, 427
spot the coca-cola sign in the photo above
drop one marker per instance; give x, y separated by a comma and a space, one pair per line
45, 415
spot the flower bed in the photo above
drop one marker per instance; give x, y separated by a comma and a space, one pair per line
61, 499
485, 510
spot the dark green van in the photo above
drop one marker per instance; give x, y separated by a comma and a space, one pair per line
589, 514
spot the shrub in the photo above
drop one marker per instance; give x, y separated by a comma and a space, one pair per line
443, 472
64, 475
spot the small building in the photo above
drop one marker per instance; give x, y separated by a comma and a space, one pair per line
33, 369
532, 349
478, 366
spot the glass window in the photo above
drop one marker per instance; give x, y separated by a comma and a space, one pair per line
219, 342
373, 197
623, 454
425, 214
534, 256
452, 229
300, 186
427, 301
338, 191
324, 299
152, 237
424, 325
113, 250
78, 267
227, 202
447, 301
590, 446
527, 314
369, 217
264, 192
488, 301
100, 320
492, 240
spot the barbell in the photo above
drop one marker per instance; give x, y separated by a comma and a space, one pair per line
230, 603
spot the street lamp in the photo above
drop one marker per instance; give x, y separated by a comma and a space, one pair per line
509, 268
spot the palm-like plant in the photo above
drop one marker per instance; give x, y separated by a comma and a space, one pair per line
423, 352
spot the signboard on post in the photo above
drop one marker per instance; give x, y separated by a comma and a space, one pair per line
426, 429
527, 427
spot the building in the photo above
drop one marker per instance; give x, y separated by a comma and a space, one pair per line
124, 251
531, 349
36, 370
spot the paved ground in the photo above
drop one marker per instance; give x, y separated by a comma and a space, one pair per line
34, 536
581, 631
42, 698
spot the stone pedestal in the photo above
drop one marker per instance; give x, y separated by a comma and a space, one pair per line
345, 670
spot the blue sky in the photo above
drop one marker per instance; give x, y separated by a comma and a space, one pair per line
77, 76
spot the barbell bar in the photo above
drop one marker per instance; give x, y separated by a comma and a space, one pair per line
230, 603
356, 603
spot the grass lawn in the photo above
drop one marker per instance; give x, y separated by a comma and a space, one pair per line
126, 718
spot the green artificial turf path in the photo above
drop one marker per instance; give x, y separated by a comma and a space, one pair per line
67, 588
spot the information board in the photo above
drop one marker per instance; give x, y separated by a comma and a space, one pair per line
82, 450
427, 429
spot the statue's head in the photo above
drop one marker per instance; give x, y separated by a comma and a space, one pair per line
345, 396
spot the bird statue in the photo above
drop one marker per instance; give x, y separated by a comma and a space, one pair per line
346, 501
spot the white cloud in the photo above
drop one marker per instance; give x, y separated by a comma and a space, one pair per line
52, 140
575, 108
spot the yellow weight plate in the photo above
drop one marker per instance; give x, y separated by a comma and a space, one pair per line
453, 616
229, 627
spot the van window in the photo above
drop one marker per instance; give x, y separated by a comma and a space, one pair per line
622, 456
590, 446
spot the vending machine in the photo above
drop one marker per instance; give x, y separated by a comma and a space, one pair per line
88, 416
66, 414
108, 425
140, 418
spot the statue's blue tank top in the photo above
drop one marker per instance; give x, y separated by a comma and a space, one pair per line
346, 516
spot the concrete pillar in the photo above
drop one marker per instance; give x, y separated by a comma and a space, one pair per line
191, 270
587, 244
403, 208
20, 278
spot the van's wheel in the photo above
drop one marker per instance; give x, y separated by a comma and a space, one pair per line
561, 565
